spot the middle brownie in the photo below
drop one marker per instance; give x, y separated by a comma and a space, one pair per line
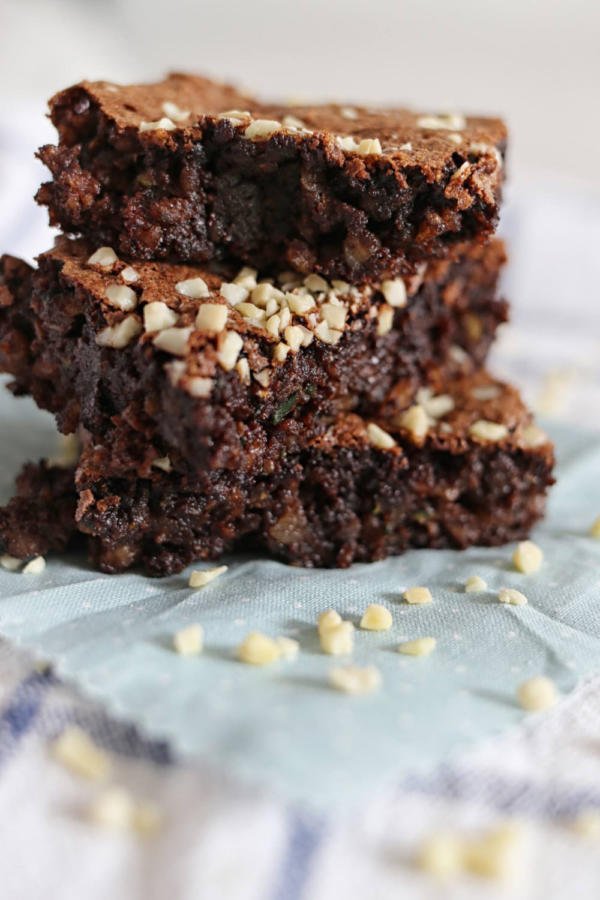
197, 360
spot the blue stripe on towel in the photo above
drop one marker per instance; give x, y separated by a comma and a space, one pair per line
304, 839
21, 711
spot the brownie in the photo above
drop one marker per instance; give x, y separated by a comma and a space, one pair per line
461, 468
189, 169
81, 337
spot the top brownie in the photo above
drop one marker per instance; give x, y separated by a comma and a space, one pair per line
188, 169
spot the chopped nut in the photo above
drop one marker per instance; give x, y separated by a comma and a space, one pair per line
211, 317
348, 112
483, 430
163, 463
230, 346
264, 292
448, 122
285, 317
512, 597
394, 291
246, 277
118, 336
417, 595
75, 750
294, 337
68, 452
307, 336
369, 147
537, 694
355, 679
235, 115
419, 647
233, 293
201, 577
163, 124
196, 288
587, 824
415, 420
199, 387
459, 355
250, 311
261, 128
10, 563
175, 370
294, 124
104, 256
121, 297
242, 367
435, 405
474, 585
173, 112
258, 649
158, 316
455, 137
335, 316
189, 641
280, 352
263, 377
527, 557
300, 305
346, 143
288, 647
35, 566
533, 436
486, 392
376, 618
129, 274
328, 619
273, 325
385, 319
173, 340
379, 438
595, 529
326, 334
316, 284
337, 640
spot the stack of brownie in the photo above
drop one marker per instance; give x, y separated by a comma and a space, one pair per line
267, 326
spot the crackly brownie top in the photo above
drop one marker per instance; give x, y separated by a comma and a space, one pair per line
184, 103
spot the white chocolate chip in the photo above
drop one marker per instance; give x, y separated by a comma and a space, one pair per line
369, 147
376, 618
337, 640
512, 597
163, 463
379, 438
35, 566
528, 557
189, 641
104, 256
394, 291
121, 297
537, 694
118, 336
10, 563
173, 340
173, 112
355, 679
258, 649
415, 420
261, 128
129, 274
230, 346
418, 647
233, 293
385, 319
196, 288
483, 430
199, 578
417, 595
76, 751
164, 124
211, 317
474, 585
158, 316
199, 387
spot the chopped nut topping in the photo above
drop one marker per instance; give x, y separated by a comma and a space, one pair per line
444, 122
76, 751
316, 284
199, 387
537, 694
163, 124
394, 291
341, 287
326, 334
294, 124
104, 256
512, 597
483, 430
385, 320
68, 452
263, 377
158, 316
379, 438
173, 112
258, 649
10, 563
118, 336
211, 317
528, 557
173, 340
175, 370
434, 405
121, 297
35, 566
369, 147
419, 647
417, 595
230, 346
337, 640
280, 352
261, 128
129, 274
242, 367
307, 336
533, 436
355, 679
455, 137
264, 292
595, 529
250, 311
234, 293
235, 115
201, 577
246, 277
189, 641
348, 112
196, 288
294, 337
376, 618
274, 325
486, 150
163, 463
486, 392
300, 305
288, 647
346, 143
474, 585
415, 420
407, 146
335, 316
328, 619
459, 355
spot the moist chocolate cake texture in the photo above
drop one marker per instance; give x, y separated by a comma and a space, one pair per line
475, 470
189, 169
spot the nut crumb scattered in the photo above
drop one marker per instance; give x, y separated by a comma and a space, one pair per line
528, 557
189, 641
328, 619
258, 649
537, 694
474, 584
116, 808
10, 563
512, 597
417, 595
337, 640
288, 647
379, 438
355, 679
595, 529
35, 566
416, 422
483, 430
201, 577
104, 256
376, 618
76, 751
394, 291
261, 128
418, 647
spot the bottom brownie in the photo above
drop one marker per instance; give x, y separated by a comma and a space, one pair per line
467, 467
